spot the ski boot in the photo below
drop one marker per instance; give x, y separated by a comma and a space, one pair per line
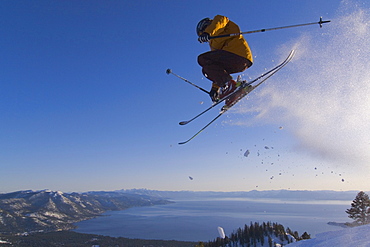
239, 93
229, 88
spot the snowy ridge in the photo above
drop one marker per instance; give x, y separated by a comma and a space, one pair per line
349, 237
258, 235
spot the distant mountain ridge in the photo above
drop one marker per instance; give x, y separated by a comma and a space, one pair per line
255, 194
31, 211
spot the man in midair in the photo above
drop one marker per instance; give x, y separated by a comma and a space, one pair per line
228, 55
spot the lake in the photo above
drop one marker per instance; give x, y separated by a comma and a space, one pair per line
197, 220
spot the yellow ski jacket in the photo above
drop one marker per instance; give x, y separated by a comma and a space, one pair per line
221, 25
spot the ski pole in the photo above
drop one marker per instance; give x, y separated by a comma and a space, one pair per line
270, 29
169, 71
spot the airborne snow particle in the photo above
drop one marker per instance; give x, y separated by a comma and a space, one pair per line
246, 153
266, 147
191, 178
342, 180
281, 127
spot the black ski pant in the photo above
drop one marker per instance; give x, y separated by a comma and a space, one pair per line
217, 65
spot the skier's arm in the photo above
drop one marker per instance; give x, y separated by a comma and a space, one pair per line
217, 25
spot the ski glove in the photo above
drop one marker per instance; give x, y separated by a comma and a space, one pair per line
204, 37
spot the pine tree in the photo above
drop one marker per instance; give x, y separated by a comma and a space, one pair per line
305, 235
360, 209
269, 241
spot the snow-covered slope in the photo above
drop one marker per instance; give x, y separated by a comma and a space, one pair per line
349, 237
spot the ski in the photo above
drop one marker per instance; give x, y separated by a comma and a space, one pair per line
201, 130
244, 85
247, 87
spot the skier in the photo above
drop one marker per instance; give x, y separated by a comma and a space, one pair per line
228, 55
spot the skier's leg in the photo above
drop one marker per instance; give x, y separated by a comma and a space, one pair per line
213, 67
219, 64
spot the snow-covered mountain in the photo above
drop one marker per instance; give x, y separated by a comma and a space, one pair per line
349, 237
30, 211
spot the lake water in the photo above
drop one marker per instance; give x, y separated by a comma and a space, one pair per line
197, 220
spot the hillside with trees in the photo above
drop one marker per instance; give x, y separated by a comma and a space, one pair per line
256, 235
70, 238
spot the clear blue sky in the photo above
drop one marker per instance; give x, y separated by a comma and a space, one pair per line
85, 103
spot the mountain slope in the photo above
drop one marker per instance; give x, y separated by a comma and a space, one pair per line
349, 237
30, 211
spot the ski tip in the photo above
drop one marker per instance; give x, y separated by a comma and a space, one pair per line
182, 143
184, 122
168, 71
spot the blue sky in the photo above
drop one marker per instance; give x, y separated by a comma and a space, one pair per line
85, 102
